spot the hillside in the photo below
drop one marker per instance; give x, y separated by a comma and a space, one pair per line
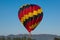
33, 37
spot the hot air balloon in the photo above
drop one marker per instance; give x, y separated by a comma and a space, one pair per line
30, 16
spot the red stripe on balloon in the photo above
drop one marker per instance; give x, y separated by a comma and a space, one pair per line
27, 10
32, 22
38, 19
20, 14
28, 24
36, 7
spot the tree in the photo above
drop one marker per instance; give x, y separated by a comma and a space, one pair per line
16, 38
56, 38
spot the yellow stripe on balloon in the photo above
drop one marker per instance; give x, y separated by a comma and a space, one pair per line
22, 19
33, 26
30, 14
35, 13
26, 16
39, 11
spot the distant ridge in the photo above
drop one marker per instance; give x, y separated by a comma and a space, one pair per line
34, 36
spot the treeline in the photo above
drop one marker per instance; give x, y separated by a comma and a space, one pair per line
56, 38
23, 38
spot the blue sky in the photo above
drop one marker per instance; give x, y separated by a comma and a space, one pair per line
10, 24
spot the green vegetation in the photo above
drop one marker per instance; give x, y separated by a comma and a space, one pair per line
23, 38
57, 38
29, 39
8, 38
17, 38
2, 38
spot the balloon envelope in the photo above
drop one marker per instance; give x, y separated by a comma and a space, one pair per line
30, 16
